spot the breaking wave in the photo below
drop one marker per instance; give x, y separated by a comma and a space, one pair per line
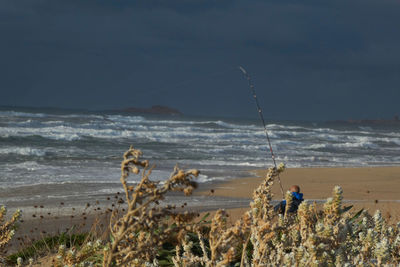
24, 151
50, 148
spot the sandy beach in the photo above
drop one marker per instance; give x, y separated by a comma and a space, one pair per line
370, 188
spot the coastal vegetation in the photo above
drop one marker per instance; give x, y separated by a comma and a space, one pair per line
7, 228
147, 232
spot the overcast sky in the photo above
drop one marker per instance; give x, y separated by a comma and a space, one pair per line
310, 59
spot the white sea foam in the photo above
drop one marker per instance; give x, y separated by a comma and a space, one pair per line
361, 144
236, 126
125, 119
139, 119
57, 122
21, 114
91, 116
280, 126
365, 128
356, 145
391, 140
231, 163
210, 144
316, 146
162, 134
24, 151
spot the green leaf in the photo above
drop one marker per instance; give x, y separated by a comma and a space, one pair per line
205, 216
357, 215
347, 208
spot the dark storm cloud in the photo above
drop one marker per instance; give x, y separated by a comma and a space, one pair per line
309, 59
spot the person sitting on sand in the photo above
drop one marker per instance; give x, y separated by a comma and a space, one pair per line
296, 200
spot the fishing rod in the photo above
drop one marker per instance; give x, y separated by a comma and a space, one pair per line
253, 91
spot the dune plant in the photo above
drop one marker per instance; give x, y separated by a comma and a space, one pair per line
138, 234
332, 236
7, 228
46, 245
220, 244
88, 254
228, 245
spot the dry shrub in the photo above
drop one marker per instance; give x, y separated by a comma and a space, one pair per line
86, 252
312, 238
7, 228
89, 254
138, 234
331, 237
223, 243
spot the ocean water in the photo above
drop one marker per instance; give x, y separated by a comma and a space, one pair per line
57, 154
